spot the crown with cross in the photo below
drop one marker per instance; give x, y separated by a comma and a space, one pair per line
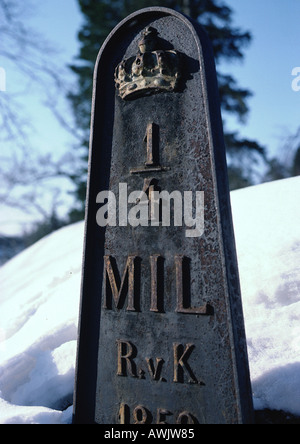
152, 70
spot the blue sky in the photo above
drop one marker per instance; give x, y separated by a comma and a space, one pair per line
267, 67
266, 70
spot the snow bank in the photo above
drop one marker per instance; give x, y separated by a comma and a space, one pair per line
40, 299
267, 230
38, 318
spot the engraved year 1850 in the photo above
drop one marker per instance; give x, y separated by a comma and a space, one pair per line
142, 415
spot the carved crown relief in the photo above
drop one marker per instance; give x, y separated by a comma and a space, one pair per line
152, 70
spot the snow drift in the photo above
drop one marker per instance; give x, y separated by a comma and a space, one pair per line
39, 306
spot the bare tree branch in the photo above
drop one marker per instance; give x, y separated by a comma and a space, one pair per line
28, 179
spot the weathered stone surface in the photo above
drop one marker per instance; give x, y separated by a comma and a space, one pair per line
161, 328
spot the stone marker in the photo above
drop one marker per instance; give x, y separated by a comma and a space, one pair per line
161, 336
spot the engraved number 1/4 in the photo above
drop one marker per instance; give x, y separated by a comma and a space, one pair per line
152, 140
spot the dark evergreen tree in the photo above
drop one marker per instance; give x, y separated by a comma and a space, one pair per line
100, 16
296, 163
287, 162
